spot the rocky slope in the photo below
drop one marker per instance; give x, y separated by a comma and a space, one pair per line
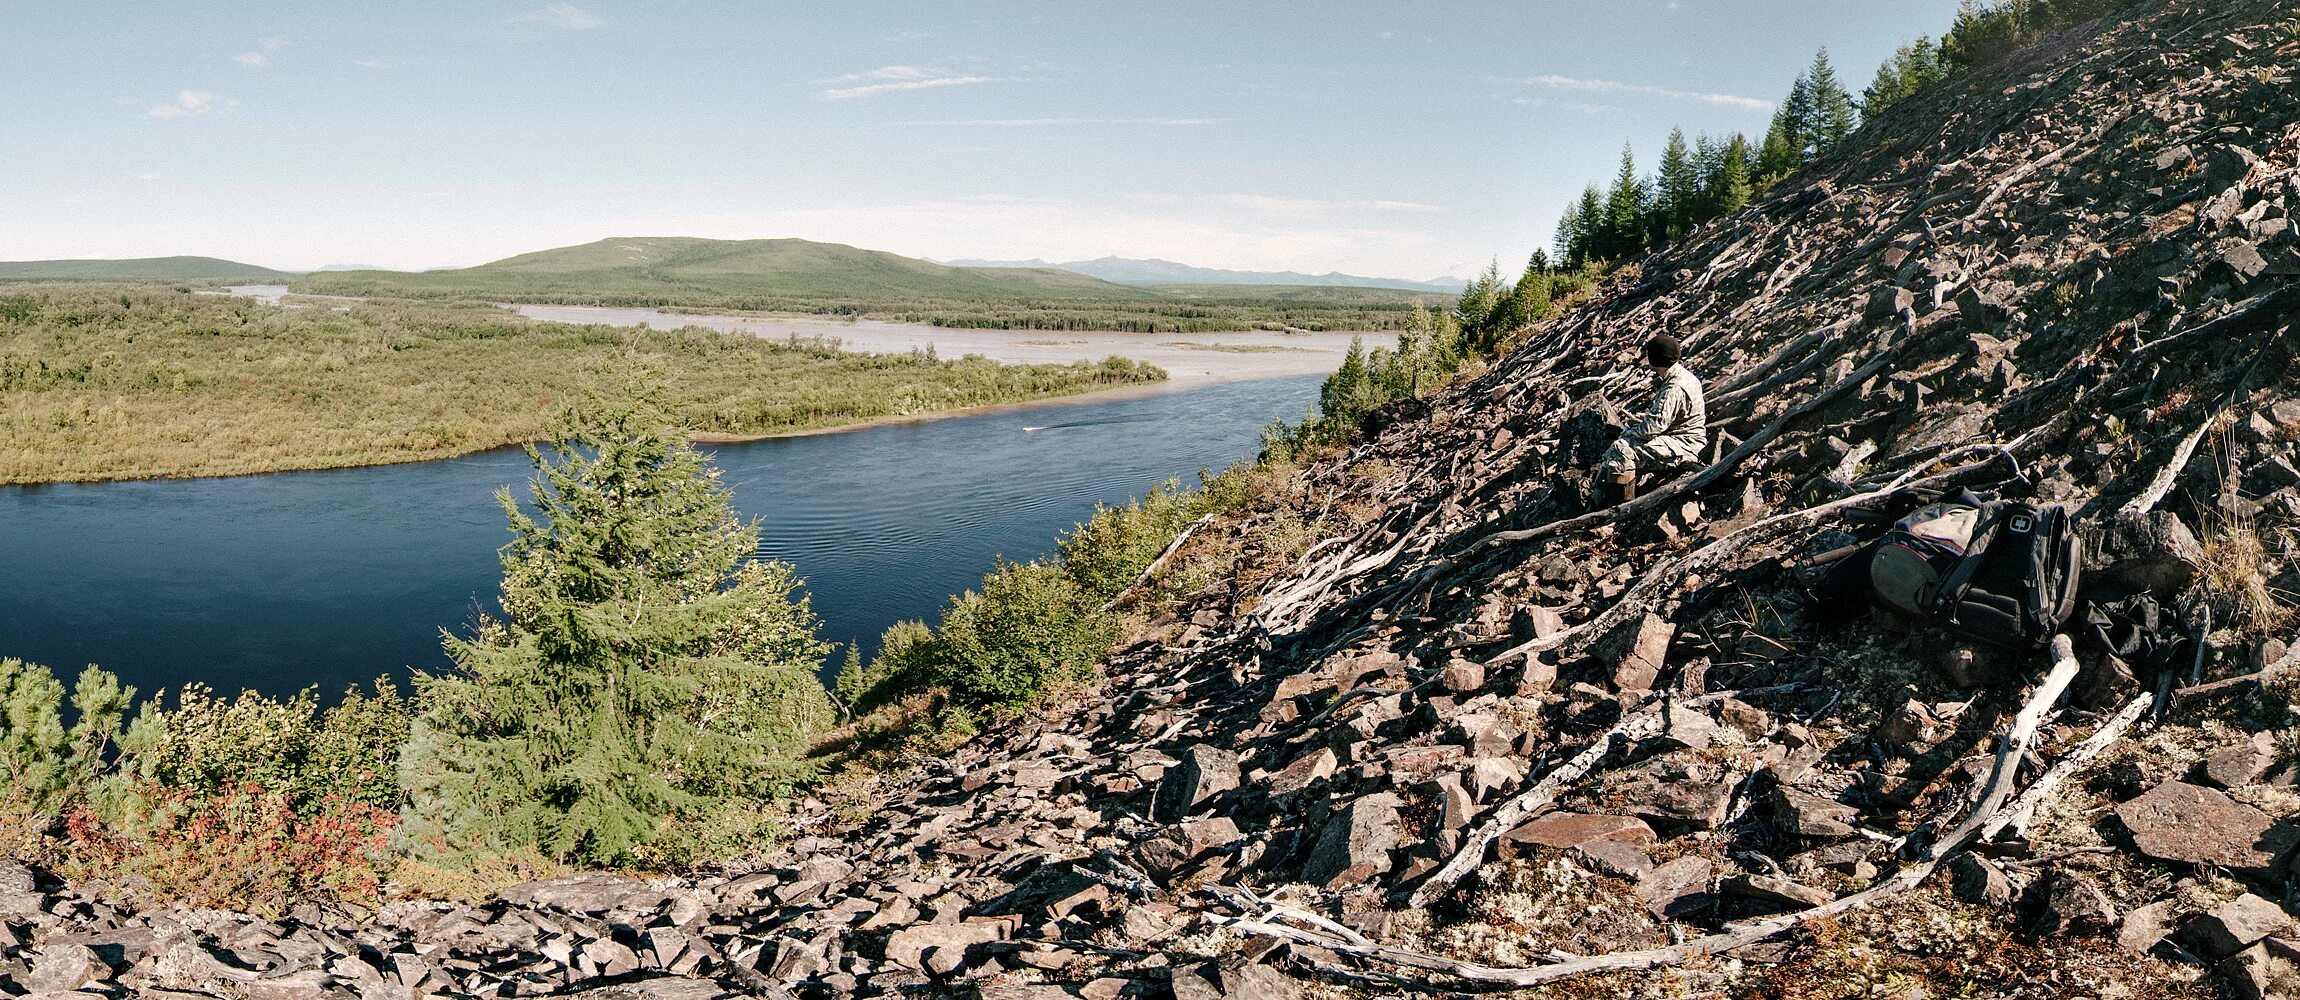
1432, 725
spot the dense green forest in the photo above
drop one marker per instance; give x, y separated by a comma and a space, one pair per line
1712, 177
802, 276
105, 382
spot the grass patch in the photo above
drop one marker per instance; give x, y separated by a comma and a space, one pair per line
137, 381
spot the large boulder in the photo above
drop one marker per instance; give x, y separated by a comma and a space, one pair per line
2068, 903
1563, 830
2234, 926
1809, 815
939, 948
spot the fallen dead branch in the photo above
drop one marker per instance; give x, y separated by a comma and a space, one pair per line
1666, 574
2013, 745
2017, 736
2017, 817
2170, 473
1159, 563
1644, 720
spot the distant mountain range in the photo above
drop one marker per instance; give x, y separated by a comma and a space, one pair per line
1132, 271
674, 267
139, 269
682, 268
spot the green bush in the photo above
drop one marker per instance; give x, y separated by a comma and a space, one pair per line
208, 746
1108, 552
1029, 627
51, 768
904, 663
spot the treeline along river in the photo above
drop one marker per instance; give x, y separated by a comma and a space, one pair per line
284, 581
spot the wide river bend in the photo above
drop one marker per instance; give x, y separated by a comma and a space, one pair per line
278, 582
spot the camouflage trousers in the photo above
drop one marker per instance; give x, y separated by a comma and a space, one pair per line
1660, 454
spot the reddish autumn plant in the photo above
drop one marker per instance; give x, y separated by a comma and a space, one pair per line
245, 848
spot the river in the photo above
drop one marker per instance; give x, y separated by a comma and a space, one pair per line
278, 582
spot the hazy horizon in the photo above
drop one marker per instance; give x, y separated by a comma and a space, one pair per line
1365, 139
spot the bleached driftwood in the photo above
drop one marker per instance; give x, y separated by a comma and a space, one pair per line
2170, 473
2018, 734
1644, 720
1665, 575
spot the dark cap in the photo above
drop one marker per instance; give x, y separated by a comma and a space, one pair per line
1663, 349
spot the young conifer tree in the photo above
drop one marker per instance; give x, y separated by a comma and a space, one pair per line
1678, 190
1626, 204
1832, 114
1732, 186
647, 671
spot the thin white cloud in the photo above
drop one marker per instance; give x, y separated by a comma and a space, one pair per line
1584, 108
1275, 205
1054, 122
260, 57
564, 16
189, 103
373, 63
1556, 82
890, 73
896, 84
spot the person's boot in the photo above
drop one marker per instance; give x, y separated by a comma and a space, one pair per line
1624, 487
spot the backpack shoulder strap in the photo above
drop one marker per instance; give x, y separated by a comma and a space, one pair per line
1960, 579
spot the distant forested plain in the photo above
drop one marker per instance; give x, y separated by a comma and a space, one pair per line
141, 380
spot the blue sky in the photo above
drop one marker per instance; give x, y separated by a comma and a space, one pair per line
1399, 139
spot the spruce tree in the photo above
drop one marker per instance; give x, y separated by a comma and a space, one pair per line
1831, 115
646, 671
1732, 188
1567, 238
1784, 148
1625, 212
1344, 392
1912, 68
1528, 303
1678, 190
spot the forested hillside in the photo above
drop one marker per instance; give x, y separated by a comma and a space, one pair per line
206, 270
802, 276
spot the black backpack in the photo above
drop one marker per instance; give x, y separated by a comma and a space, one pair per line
2015, 585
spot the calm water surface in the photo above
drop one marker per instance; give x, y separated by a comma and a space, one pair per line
283, 581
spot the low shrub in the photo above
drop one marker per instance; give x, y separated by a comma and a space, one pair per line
244, 847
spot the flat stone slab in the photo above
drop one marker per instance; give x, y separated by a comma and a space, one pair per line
2177, 821
1565, 830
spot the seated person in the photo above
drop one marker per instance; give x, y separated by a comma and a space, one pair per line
1672, 433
